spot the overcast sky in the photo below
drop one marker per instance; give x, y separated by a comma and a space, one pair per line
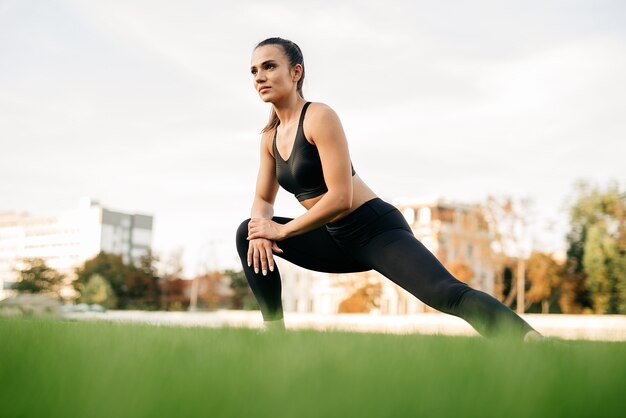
148, 106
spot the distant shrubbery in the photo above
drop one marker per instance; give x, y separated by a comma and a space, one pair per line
107, 281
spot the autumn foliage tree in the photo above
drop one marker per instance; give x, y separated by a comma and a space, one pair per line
363, 299
544, 275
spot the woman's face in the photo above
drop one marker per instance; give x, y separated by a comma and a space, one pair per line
271, 75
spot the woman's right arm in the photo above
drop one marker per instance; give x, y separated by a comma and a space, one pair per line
260, 249
266, 183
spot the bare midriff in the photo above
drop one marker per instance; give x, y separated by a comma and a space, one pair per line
361, 193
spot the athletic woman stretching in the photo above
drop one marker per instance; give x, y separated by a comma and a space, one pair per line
347, 227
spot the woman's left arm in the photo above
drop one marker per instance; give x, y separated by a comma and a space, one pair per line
326, 132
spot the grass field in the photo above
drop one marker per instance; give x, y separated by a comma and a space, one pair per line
102, 369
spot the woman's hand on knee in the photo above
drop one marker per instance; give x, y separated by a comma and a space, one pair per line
260, 251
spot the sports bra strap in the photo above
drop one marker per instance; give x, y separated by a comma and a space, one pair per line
302, 114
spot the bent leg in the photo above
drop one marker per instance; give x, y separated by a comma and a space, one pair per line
401, 257
313, 250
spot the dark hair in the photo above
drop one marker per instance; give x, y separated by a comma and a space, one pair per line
294, 55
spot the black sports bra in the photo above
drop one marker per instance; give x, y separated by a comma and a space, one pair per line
301, 174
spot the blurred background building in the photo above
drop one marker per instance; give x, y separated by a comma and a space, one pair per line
66, 239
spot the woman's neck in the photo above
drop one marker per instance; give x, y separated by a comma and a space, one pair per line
288, 111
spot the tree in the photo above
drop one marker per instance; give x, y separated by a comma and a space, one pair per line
508, 220
173, 295
134, 287
111, 267
544, 275
142, 283
597, 247
573, 297
99, 291
37, 277
363, 299
364, 290
599, 250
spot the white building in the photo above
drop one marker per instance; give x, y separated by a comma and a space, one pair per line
68, 238
456, 234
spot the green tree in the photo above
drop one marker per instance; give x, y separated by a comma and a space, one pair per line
37, 277
597, 247
604, 265
99, 291
111, 267
134, 287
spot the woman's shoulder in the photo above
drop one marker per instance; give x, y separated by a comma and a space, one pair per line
319, 107
320, 112
321, 119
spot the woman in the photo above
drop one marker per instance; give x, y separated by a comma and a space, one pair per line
347, 227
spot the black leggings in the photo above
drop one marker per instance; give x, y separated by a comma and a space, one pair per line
376, 236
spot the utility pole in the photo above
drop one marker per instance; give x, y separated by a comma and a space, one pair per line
524, 249
193, 303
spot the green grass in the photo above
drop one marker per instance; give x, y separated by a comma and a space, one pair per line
103, 369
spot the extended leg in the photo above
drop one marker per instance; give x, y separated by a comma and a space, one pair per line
402, 258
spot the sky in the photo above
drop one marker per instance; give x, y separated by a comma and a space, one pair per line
149, 106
